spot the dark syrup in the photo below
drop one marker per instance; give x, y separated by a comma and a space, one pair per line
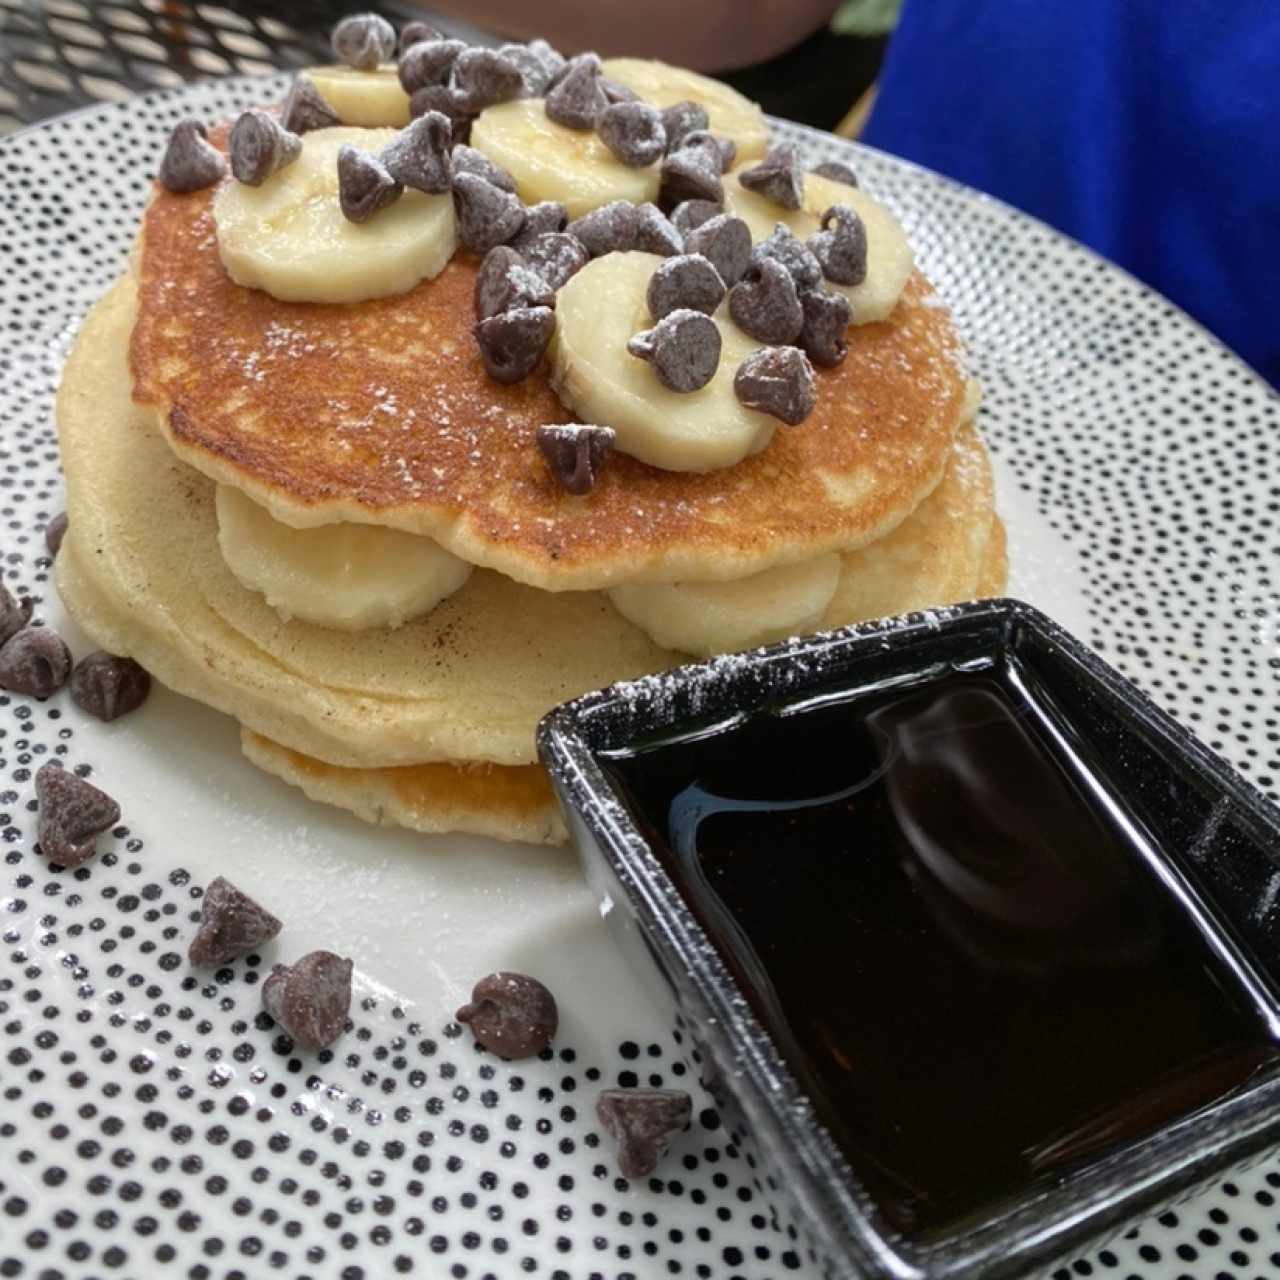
964, 956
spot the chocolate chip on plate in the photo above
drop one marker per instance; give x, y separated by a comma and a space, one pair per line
191, 162
608, 229
689, 175
511, 1014
35, 662
841, 250
469, 160
511, 344
787, 247
419, 155
777, 381
415, 33
363, 40
683, 347
107, 686
778, 177
826, 317
556, 257
765, 305
633, 131
310, 999
487, 215
364, 185
642, 1122
725, 240
304, 109
836, 171
231, 924
483, 78
688, 280
576, 99
14, 614
720, 152
539, 220
428, 63
655, 232
54, 532
689, 214
505, 281
681, 119
259, 147
72, 815
575, 453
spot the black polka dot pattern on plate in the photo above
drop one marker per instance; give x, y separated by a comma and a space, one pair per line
152, 1120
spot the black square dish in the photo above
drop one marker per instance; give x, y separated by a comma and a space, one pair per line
975, 947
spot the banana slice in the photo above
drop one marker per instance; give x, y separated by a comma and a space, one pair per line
368, 99
347, 576
550, 162
730, 114
597, 311
289, 238
890, 261
706, 618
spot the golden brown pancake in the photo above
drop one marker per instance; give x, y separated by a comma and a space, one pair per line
382, 413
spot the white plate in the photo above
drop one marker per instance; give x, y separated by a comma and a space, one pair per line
148, 1119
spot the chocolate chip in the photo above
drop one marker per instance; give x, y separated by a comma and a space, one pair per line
841, 250
418, 156
725, 241
693, 213
511, 1014
765, 305
107, 686
304, 109
469, 160
310, 999
231, 925
576, 99
416, 33
720, 152
364, 185
539, 220
608, 229
73, 814
787, 248
683, 347
616, 92
642, 1122
428, 63
655, 232
483, 78
191, 162
259, 147
535, 70
506, 281
551, 58
54, 532
689, 175
836, 171
575, 453
511, 344
777, 381
681, 119
35, 663
633, 131
487, 215
826, 317
14, 614
688, 282
440, 97
778, 177
363, 41
556, 257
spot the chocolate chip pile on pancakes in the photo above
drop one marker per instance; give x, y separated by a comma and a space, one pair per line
382, 412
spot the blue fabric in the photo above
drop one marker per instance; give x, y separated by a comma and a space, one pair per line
1149, 129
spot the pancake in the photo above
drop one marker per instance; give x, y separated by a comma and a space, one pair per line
382, 413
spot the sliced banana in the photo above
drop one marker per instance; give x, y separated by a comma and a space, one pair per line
347, 576
706, 618
550, 162
890, 261
368, 99
289, 238
730, 114
597, 311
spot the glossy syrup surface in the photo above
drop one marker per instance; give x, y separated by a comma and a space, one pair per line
958, 945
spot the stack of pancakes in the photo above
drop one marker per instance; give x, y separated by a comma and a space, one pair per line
182, 380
